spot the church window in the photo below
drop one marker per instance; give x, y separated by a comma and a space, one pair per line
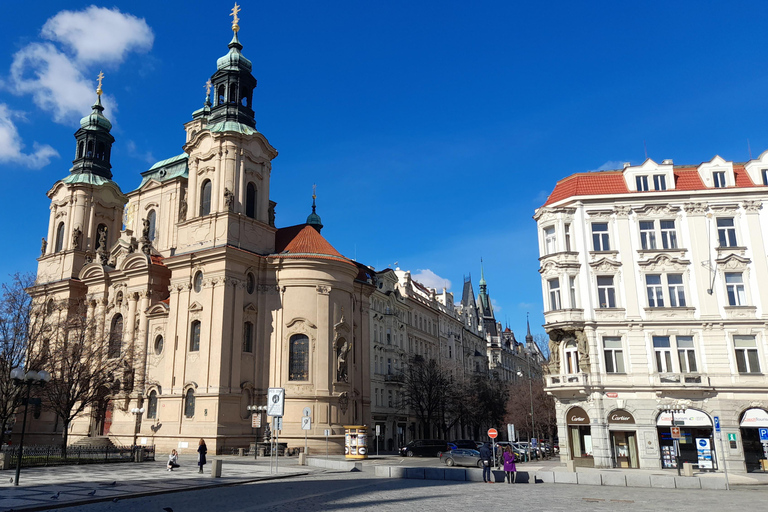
80, 149
197, 282
100, 151
115, 337
89, 154
159, 345
119, 300
250, 283
248, 337
205, 198
221, 99
59, 237
233, 93
250, 201
244, 100
189, 403
152, 219
152, 405
298, 361
194, 336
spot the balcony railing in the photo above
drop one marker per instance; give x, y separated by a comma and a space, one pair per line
394, 377
690, 380
568, 380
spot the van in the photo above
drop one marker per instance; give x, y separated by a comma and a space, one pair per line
424, 448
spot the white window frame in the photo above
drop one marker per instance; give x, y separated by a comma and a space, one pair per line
647, 234
686, 352
613, 354
660, 182
571, 358
568, 237
764, 174
718, 178
641, 182
572, 289
554, 294
663, 294
676, 291
668, 235
735, 291
746, 354
726, 234
662, 354
654, 291
606, 293
550, 240
601, 240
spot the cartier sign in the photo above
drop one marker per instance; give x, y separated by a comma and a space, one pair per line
577, 416
620, 416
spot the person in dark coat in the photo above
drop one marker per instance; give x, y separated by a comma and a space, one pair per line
486, 456
509, 465
201, 451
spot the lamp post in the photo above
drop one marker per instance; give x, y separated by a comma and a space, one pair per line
256, 409
137, 412
29, 379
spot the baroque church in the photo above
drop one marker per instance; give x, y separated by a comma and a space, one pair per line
203, 299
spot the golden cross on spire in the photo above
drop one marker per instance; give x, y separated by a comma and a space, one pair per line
235, 19
100, 77
208, 87
314, 192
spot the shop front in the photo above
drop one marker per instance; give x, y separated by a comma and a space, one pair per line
754, 439
686, 436
623, 439
580, 437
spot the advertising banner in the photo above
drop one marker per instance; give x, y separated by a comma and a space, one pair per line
704, 451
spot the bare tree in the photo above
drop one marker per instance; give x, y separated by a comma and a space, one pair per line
425, 390
22, 325
83, 374
524, 400
542, 341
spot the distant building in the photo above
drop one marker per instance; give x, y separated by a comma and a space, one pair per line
653, 279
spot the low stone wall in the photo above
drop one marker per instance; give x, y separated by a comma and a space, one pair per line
343, 465
608, 478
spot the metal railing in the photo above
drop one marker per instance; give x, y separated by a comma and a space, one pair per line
54, 455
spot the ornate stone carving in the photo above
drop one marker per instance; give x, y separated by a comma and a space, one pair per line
182, 210
342, 351
583, 347
272, 213
343, 402
656, 210
229, 200
600, 214
622, 210
43, 246
752, 206
696, 208
323, 290
77, 234
664, 262
605, 265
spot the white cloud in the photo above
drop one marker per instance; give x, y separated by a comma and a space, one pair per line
98, 34
11, 145
431, 280
135, 152
496, 307
610, 165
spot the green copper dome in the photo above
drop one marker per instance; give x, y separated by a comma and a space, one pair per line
234, 60
96, 120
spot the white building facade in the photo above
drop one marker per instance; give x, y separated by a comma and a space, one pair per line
657, 321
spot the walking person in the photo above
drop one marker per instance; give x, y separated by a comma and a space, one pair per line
173, 460
509, 465
201, 451
486, 456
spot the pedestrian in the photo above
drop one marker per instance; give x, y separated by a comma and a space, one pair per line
509, 465
173, 460
486, 456
201, 451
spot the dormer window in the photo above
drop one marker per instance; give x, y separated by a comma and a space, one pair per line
719, 178
659, 182
764, 174
642, 183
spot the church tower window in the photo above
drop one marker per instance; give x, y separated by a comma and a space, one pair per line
80, 149
152, 219
248, 337
194, 336
250, 201
205, 198
298, 361
233, 93
115, 337
100, 152
189, 403
221, 99
152, 405
59, 238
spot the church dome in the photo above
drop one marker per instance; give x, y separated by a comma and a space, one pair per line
96, 119
234, 60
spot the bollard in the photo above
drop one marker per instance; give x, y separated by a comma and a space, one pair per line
216, 468
302, 459
687, 469
5, 460
571, 466
241, 452
140, 455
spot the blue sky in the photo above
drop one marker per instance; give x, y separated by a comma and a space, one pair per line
432, 129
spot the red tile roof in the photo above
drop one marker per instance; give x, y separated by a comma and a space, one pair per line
612, 182
303, 241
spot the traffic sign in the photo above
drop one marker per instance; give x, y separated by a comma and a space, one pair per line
676, 433
278, 423
256, 420
307, 411
763, 434
493, 433
732, 437
275, 401
717, 423
306, 423
327, 432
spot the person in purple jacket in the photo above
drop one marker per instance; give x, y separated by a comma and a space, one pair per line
509, 464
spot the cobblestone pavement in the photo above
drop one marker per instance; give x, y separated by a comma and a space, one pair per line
351, 492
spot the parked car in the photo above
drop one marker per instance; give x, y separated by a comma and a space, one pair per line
462, 457
424, 448
462, 443
520, 455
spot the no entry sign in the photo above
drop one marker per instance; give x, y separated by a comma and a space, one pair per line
493, 433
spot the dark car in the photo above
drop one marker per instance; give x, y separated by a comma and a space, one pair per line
462, 443
424, 448
462, 457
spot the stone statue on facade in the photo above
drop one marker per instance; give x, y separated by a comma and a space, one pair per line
229, 200
342, 351
77, 234
554, 357
43, 246
271, 214
146, 243
182, 210
583, 346
102, 252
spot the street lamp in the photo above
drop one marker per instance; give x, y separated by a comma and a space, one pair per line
29, 379
258, 409
137, 412
530, 389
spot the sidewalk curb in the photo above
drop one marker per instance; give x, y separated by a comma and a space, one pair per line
144, 494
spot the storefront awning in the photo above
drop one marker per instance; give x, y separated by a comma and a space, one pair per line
754, 418
686, 418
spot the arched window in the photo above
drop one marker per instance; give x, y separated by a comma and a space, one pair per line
571, 357
250, 201
80, 149
189, 403
89, 154
100, 151
248, 337
159, 344
152, 219
59, 238
152, 405
99, 230
205, 198
233, 93
194, 336
115, 337
298, 361
220, 97
197, 281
